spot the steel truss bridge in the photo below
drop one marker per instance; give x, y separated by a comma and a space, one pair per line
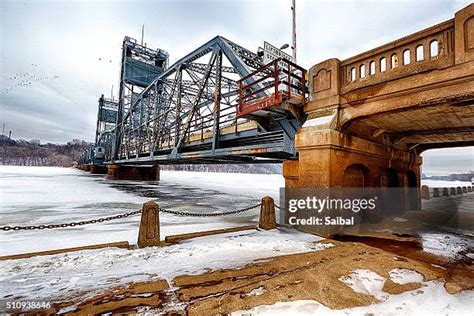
218, 104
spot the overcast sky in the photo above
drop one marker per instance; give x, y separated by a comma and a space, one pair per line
57, 57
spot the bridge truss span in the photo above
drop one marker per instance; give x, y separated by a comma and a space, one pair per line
188, 113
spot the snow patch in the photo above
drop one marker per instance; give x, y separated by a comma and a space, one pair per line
405, 276
257, 291
432, 299
365, 282
93, 271
446, 245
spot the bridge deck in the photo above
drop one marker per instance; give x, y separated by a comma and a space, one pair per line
238, 143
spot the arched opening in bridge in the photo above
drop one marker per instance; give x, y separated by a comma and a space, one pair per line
352, 75
412, 190
434, 49
362, 71
372, 68
406, 57
355, 176
394, 61
383, 64
419, 54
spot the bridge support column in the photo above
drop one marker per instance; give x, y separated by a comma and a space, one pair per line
98, 169
146, 173
331, 159
328, 158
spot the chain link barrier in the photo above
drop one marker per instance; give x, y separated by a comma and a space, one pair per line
125, 215
179, 213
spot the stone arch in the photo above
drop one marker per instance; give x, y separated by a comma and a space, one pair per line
406, 57
352, 74
383, 64
393, 61
434, 48
420, 54
372, 68
355, 176
362, 71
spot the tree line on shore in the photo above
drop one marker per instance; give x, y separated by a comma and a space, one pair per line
32, 153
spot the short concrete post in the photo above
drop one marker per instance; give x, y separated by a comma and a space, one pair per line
453, 191
425, 192
149, 233
469, 189
445, 192
267, 214
436, 192
458, 190
464, 190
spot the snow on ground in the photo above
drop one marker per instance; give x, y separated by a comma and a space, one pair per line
50, 195
405, 276
430, 299
445, 184
55, 276
446, 245
365, 282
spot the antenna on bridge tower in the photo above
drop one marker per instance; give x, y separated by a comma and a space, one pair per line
143, 32
112, 93
293, 9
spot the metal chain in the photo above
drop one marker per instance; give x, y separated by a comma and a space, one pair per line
179, 213
106, 219
72, 224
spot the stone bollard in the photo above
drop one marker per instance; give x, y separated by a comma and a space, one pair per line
469, 189
453, 191
149, 233
425, 192
267, 214
458, 190
435, 192
445, 192
464, 190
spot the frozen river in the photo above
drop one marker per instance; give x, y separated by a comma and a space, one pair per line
49, 195
43, 195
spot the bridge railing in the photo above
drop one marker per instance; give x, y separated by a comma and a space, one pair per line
278, 81
425, 50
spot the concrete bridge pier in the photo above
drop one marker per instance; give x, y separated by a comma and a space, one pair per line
332, 159
121, 172
98, 169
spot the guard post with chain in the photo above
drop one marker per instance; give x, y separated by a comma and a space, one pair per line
149, 232
267, 214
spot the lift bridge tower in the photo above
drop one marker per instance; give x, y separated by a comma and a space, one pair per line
139, 68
